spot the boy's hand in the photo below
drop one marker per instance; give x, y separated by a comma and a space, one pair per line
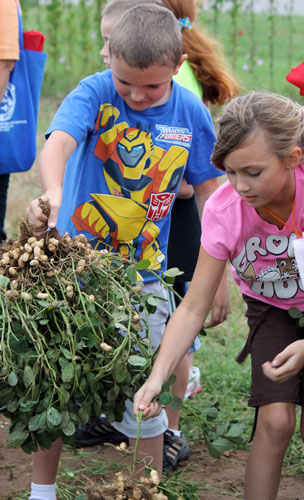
143, 399
36, 216
286, 364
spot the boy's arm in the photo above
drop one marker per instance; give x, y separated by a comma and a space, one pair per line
221, 304
182, 329
52, 161
286, 364
203, 191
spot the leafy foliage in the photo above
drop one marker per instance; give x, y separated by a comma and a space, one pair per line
71, 345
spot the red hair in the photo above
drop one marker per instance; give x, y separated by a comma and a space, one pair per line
205, 56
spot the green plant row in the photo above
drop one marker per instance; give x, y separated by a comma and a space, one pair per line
261, 48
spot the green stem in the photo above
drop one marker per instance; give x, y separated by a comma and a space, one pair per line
139, 417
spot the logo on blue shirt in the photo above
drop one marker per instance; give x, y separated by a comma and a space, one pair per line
174, 135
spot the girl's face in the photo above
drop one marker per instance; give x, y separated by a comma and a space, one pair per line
106, 28
260, 177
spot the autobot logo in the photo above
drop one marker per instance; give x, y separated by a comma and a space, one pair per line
159, 205
175, 135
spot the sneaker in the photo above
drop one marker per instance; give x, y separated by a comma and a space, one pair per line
97, 431
194, 386
176, 449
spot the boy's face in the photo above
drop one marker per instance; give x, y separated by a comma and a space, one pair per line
143, 88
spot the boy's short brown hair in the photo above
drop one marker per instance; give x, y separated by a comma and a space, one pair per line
147, 35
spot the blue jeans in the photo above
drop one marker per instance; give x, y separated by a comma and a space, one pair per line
4, 182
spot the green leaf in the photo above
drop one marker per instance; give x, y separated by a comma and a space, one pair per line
152, 301
16, 438
43, 303
83, 415
68, 427
67, 354
53, 416
212, 450
4, 280
113, 393
42, 420
12, 405
120, 326
173, 272
29, 446
28, 376
131, 273
211, 413
67, 372
34, 423
222, 444
17, 328
26, 406
120, 371
176, 402
136, 360
167, 386
12, 379
301, 321
295, 313
43, 321
18, 344
142, 264
236, 430
165, 398
44, 440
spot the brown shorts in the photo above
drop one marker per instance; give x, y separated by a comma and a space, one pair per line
270, 330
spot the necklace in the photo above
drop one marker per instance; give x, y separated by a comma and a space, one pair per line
294, 228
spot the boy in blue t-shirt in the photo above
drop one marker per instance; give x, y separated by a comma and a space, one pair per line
128, 135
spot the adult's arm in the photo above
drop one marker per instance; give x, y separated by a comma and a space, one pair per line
9, 41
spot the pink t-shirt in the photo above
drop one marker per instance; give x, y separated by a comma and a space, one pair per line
261, 254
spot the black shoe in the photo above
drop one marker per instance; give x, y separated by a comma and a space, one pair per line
97, 431
176, 449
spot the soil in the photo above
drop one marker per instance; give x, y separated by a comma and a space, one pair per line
218, 479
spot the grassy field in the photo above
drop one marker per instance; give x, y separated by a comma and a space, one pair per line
223, 380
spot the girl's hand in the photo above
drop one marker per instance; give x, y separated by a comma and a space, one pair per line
286, 364
40, 220
144, 396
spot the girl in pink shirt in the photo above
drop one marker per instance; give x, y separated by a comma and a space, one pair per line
252, 220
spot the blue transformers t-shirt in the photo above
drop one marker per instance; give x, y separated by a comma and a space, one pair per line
122, 179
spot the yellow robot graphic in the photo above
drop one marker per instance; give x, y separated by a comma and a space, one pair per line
141, 180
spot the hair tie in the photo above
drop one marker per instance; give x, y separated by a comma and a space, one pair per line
185, 22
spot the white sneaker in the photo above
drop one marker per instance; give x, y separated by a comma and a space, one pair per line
194, 386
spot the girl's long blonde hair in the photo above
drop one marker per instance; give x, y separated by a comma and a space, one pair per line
205, 56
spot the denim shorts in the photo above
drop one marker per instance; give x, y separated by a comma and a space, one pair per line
271, 329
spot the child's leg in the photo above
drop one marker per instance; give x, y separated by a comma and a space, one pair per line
271, 330
302, 422
150, 447
275, 427
45, 463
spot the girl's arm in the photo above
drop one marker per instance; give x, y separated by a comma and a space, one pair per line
181, 330
286, 364
52, 161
